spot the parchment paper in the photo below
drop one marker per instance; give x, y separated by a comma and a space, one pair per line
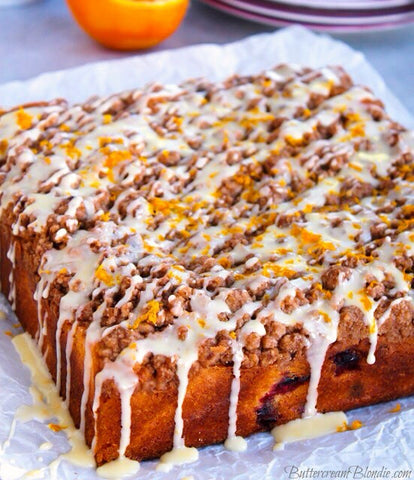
386, 441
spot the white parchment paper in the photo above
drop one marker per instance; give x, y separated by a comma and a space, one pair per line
386, 441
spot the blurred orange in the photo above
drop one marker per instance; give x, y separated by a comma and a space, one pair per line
129, 24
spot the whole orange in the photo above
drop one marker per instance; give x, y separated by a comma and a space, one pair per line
128, 24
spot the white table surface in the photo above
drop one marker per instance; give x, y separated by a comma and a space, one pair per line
42, 37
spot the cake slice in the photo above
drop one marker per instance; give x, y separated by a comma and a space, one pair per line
204, 261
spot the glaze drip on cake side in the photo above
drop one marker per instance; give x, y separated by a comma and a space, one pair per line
178, 218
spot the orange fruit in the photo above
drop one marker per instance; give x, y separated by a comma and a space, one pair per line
128, 24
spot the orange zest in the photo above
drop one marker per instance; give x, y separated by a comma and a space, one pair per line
55, 427
150, 314
24, 120
395, 409
128, 24
355, 425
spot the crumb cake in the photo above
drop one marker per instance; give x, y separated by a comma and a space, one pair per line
204, 261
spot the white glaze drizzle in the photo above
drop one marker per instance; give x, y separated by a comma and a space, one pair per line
47, 406
309, 427
180, 453
11, 255
233, 441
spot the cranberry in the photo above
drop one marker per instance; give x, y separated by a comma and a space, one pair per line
346, 360
266, 413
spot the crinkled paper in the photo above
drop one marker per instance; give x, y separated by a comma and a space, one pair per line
386, 441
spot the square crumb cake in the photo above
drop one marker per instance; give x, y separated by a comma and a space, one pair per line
204, 261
